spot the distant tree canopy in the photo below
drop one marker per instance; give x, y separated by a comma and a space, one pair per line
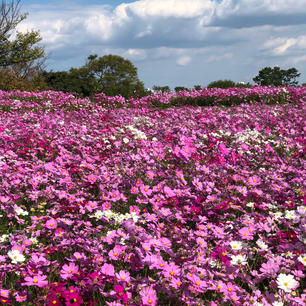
76, 80
161, 88
227, 84
221, 84
277, 77
21, 58
180, 88
111, 74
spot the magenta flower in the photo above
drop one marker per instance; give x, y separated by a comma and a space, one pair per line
221, 254
120, 294
38, 280
69, 270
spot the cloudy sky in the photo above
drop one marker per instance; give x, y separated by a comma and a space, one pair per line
174, 42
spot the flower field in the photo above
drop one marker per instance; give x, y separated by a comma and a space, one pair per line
152, 205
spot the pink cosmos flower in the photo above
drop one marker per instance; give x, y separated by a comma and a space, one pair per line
134, 209
148, 296
115, 196
92, 178
106, 205
108, 269
134, 190
186, 151
223, 149
169, 192
51, 224
91, 205
175, 283
150, 174
21, 296
254, 180
198, 185
171, 270
27, 242
69, 270
4, 293
246, 233
145, 189
123, 276
38, 280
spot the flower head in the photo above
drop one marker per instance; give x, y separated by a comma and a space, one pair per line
286, 282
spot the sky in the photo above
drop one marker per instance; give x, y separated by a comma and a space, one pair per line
174, 42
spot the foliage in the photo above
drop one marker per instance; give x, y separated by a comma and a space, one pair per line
12, 78
222, 84
21, 59
23, 48
157, 88
76, 81
197, 87
114, 75
277, 77
180, 88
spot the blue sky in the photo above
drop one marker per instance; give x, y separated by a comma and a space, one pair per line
174, 42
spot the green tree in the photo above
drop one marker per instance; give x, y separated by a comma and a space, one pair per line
76, 80
277, 77
114, 75
21, 59
21, 49
161, 88
180, 88
197, 87
222, 84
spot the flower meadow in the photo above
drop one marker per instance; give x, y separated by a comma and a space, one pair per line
140, 205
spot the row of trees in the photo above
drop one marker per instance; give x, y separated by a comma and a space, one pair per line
22, 66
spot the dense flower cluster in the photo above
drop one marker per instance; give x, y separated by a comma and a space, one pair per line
210, 97
184, 206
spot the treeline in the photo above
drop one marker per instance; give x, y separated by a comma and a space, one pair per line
22, 67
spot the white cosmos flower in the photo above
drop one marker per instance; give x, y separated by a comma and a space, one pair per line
262, 244
239, 260
290, 215
302, 259
19, 211
16, 256
278, 303
286, 282
236, 245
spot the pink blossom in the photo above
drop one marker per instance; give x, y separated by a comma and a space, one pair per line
69, 270
38, 280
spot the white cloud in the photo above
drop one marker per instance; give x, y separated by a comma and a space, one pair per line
184, 60
280, 45
298, 59
215, 58
170, 8
196, 33
135, 54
